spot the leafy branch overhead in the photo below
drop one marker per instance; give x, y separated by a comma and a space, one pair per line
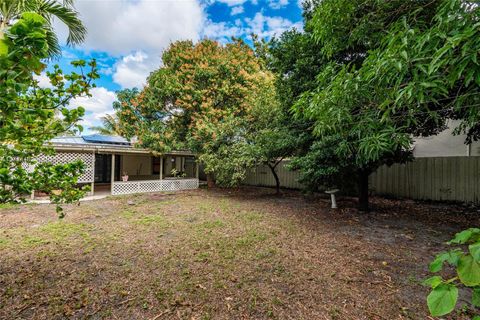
31, 115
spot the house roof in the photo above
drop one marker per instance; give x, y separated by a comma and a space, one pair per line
103, 143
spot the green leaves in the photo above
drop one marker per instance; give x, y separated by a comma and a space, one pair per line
443, 296
442, 299
451, 257
29, 112
3, 47
204, 98
476, 297
468, 271
466, 236
474, 250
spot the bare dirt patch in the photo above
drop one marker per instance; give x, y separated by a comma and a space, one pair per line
223, 254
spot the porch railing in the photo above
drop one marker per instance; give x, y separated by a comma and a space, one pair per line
129, 187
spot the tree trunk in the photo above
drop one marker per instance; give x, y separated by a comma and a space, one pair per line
277, 180
210, 180
363, 203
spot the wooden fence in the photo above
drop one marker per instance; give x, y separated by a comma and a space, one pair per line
262, 176
439, 178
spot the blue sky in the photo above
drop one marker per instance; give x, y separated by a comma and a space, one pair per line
127, 37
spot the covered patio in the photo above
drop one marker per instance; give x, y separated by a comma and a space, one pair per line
115, 167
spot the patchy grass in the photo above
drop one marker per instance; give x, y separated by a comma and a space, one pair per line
218, 254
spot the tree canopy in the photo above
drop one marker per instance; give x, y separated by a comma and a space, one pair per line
381, 80
202, 99
31, 115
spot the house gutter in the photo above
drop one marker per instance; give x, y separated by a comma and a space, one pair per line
98, 149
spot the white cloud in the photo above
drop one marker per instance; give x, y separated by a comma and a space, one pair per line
277, 4
232, 3
237, 10
96, 106
267, 27
43, 80
223, 31
121, 27
137, 31
133, 69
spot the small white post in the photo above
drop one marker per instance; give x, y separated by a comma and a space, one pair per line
161, 167
112, 177
92, 188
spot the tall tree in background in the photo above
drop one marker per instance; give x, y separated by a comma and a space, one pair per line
64, 11
111, 126
201, 99
296, 60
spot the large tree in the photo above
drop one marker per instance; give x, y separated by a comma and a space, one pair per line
202, 99
352, 135
31, 115
64, 11
402, 70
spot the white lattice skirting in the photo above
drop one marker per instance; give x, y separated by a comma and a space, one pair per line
129, 187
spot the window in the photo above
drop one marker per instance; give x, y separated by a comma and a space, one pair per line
156, 165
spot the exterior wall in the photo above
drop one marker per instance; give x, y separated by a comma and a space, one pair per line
167, 166
136, 165
190, 167
445, 144
139, 167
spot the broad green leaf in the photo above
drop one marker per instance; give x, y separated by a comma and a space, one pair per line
34, 17
442, 299
468, 271
464, 236
433, 282
3, 47
437, 264
476, 297
475, 251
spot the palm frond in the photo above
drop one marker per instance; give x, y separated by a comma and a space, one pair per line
50, 9
54, 50
111, 125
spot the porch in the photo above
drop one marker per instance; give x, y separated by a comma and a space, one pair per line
124, 173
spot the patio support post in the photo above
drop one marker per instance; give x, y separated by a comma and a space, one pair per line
92, 185
112, 177
197, 171
161, 167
